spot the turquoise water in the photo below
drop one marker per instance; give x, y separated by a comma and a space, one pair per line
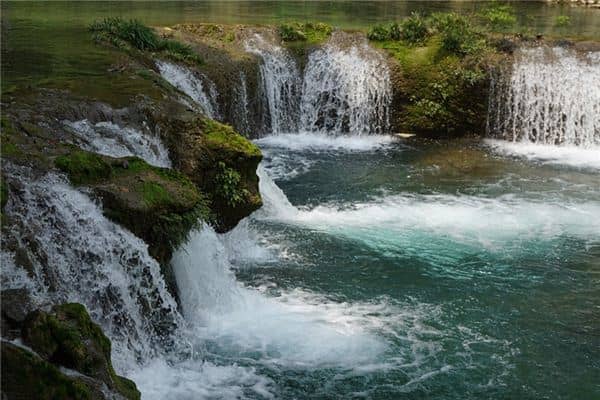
445, 270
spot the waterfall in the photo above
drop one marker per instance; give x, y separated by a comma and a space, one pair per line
346, 89
275, 202
281, 83
197, 86
115, 141
241, 107
77, 255
550, 96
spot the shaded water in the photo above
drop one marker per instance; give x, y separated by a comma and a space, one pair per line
43, 39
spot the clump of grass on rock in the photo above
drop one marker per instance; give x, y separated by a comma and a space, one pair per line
132, 33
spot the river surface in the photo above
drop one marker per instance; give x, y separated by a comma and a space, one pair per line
384, 269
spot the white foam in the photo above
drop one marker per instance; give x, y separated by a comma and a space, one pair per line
581, 157
281, 83
550, 96
195, 379
115, 141
396, 222
319, 142
82, 257
294, 329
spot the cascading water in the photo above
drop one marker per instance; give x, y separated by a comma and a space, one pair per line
113, 140
281, 83
550, 96
78, 255
346, 89
241, 106
198, 87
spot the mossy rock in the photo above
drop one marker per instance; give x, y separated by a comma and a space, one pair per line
222, 163
26, 376
436, 93
84, 167
68, 337
157, 204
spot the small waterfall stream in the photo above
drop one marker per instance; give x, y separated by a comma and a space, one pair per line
77, 255
281, 83
113, 140
550, 96
346, 89
197, 86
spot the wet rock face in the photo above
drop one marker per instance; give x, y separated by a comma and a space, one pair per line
15, 307
66, 356
27, 376
67, 337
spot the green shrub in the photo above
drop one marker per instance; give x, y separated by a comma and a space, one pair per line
291, 33
395, 31
499, 16
413, 29
562, 21
180, 51
312, 32
458, 35
379, 33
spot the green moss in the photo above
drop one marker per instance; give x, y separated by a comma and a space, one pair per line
127, 388
26, 376
68, 337
312, 33
562, 21
154, 194
160, 205
83, 167
223, 137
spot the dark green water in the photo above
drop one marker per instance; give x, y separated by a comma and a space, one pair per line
452, 273
48, 42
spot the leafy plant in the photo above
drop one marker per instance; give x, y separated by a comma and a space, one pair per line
312, 32
562, 21
291, 33
131, 31
458, 35
227, 183
379, 33
412, 29
499, 16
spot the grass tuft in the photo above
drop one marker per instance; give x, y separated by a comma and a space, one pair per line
123, 33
